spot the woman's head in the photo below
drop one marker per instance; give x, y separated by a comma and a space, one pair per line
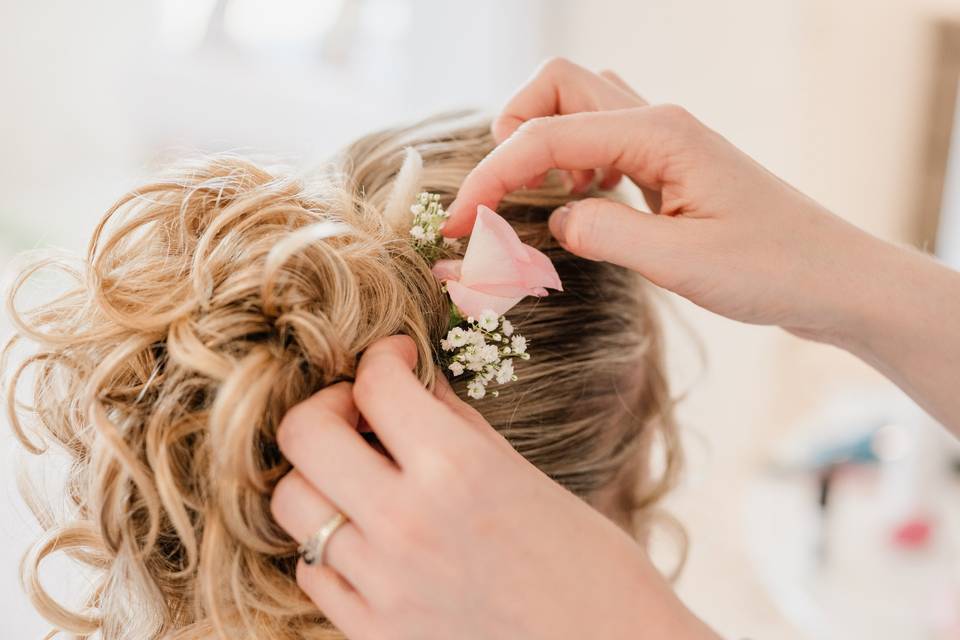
213, 300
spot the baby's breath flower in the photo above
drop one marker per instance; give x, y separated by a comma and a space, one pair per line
457, 337
489, 353
428, 217
476, 360
505, 371
488, 320
486, 346
476, 389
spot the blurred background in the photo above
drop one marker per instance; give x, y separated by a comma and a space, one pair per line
820, 503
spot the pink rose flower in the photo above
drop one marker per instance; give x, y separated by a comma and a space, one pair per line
497, 270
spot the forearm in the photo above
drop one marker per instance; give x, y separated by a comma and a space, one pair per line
904, 320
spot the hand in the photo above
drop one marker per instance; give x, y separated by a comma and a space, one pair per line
458, 536
724, 233
730, 236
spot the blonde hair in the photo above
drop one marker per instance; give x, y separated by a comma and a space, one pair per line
213, 300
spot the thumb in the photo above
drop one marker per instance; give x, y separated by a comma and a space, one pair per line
601, 229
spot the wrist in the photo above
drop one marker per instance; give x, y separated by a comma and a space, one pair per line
884, 301
849, 279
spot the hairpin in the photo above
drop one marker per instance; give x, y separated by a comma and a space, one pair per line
497, 271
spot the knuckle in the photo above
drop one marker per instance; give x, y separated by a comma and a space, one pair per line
612, 76
406, 529
676, 116
534, 127
556, 65
438, 468
449, 478
533, 133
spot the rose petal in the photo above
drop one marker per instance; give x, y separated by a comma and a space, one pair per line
447, 269
502, 290
497, 270
539, 271
471, 302
492, 252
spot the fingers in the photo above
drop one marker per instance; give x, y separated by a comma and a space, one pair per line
637, 142
301, 510
612, 77
337, 599
399, 409
561, 87
319, 437
332, 585
445, 393
600, 229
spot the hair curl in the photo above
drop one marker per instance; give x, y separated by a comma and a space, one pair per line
213, 300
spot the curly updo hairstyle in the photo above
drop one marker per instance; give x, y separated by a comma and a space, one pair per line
213, 300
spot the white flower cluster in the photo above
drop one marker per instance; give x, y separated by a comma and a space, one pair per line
485, 347
428, 216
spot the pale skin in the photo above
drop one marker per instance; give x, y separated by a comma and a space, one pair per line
459, 536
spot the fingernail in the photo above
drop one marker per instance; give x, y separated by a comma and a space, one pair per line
451, 210
558, 220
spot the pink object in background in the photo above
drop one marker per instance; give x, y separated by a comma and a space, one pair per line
913, 533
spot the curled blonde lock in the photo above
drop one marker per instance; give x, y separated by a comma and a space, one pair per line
213, 300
